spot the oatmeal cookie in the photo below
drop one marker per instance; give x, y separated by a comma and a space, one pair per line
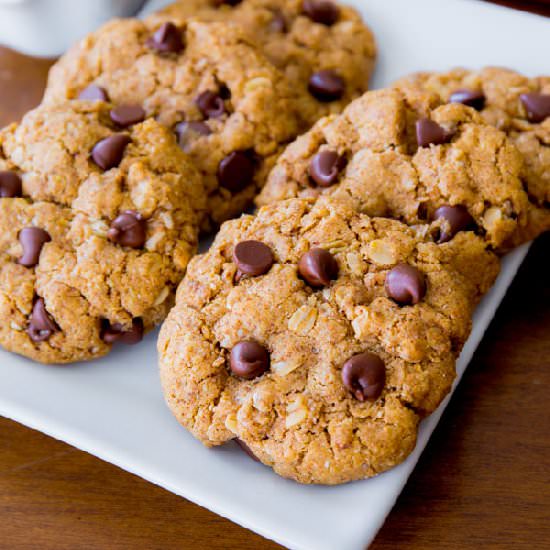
517, 105
318, 337
405, 156
98, 220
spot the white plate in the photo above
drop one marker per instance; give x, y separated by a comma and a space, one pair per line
113, 408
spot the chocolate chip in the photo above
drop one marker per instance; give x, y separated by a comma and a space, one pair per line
236, 171
112, 333
327, 85
318, 267
456, 218
210, 104
246, 449
364, 375
536, 105
253, 258
41, 325
471, 98
249, 360
167, 39
278, 22
127, 115
219, 3
108, 152
321, 11
10, 185
128, 229
187, 132
406, 284
325, 167
429, 132
94, 93
32, 240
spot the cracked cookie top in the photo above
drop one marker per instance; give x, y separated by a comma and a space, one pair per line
217, 93
406, 156
515, 104
323, 48
319, 337
98, 220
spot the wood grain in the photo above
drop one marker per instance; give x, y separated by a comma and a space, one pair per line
483, 481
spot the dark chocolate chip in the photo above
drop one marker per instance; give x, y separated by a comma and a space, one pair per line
128, 229
10, 185
456, 218
321, 11
406, 284
94, 93
249, 360
325, 167
167, 39
127, 115
32, 240
471, 98
236, 171
327, 85
429, 132
108, 152
187, 132
112, 333
246, 449
253, 258
537, 106
41, 325
210, 104
278, 22
219, 3
364, 375
318, 267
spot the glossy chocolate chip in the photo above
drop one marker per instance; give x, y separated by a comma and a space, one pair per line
249, 360
327, 85
219, 3
10, 185
471, 98
318, 267
210, 104
236, 171
127, 115
246, 449
321, 11
94, 93
253, 258
113, 333
456, 218
537, 106
364, 375
32, 240
278, 22
108, 152
167, 39
325, 167
406, 284
429, 132
41, 325
128, 229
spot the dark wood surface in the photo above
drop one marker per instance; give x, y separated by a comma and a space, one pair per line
483, 481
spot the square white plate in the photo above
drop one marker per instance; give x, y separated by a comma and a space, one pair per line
113, 408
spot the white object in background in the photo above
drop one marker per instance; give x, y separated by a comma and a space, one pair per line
47, 28
113, 407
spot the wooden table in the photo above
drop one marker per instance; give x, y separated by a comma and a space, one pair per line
483, 481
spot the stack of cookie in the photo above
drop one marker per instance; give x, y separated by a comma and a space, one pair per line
318, 332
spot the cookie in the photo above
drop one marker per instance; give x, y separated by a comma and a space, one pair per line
319, 337
323, 48
517, 105
98, 220
406, 156
220, 96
